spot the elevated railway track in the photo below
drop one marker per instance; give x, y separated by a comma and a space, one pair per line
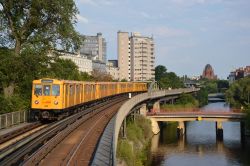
34, 148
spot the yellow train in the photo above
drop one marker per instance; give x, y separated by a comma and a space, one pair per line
53, 98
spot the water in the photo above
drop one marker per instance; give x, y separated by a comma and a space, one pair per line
199, 147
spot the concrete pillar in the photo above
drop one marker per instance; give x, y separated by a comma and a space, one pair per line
133, 115
124, 126
182, 142
155, 143
143, 110
219, 131
155, 126
242, 131
181, 128
172, 101
156, 106
165, 101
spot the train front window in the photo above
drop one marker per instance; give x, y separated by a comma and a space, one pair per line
38, 90
46, 90
55, 90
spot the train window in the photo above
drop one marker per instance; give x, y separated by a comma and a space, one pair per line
71, 90
55, 90
77, 89
38, 90
87, 89
46, 90
67, 90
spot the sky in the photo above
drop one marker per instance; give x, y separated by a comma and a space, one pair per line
188, 34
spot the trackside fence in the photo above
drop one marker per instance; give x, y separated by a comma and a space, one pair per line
13, 118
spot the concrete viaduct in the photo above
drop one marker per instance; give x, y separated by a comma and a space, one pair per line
105, 153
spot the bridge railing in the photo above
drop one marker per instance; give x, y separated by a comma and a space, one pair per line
13, 118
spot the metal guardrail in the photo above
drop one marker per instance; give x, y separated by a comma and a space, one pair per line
104, 154
13, 118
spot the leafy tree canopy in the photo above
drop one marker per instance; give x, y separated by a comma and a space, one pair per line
239, 93
160, 71
40, 24
167, 79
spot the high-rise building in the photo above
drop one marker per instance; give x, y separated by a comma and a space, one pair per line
136, 57
123, 49
94, 47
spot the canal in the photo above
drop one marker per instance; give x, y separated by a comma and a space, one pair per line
199, 147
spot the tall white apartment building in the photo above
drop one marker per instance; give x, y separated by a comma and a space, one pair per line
94, 47
136, 59
123, 49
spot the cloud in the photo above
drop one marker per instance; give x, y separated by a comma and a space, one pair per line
96, 2
194, 2
151, 16
82, 19
162, 31
145, 15
243, 23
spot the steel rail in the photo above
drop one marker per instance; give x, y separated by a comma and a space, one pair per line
6, 137
17, 153
36, 157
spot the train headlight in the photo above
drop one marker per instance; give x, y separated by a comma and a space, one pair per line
55, 102
36, 102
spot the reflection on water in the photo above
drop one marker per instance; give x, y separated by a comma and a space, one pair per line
199, 147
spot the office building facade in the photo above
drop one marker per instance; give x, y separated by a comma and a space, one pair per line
95, 47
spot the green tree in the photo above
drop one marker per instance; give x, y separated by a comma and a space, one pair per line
39, 24
29, 30
167, 79
202, 96
222, 85
239, 93
34, 27
84, 76
160, 71
64, 69
211, 86
186, 99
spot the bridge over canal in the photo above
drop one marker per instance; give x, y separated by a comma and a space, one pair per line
180, 116
105, 153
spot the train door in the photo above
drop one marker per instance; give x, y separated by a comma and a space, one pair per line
86, 93
66, 95
71, 94
94, 91
97, 87
81, 93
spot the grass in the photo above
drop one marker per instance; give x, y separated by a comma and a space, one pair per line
133, 150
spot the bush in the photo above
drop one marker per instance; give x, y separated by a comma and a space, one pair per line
13, 103
124, 151
133, 150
